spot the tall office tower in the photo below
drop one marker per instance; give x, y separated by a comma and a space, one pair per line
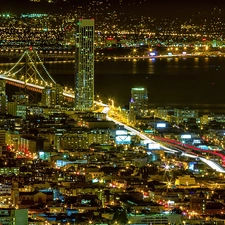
84, 65
52, 96
139, 103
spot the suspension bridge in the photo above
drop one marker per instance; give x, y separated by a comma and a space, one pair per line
25, 74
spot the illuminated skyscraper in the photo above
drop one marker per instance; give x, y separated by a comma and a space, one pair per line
138, 103
84, 77
52, 96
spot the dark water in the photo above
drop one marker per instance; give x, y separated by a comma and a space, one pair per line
192, 82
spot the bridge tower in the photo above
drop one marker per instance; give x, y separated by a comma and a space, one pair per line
30, 73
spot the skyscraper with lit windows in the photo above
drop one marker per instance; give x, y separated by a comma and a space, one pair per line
138, 106
52, 96
84, 65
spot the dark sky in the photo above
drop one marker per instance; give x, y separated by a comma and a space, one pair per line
164, 8
159, 8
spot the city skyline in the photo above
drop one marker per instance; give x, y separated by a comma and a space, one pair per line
106, 122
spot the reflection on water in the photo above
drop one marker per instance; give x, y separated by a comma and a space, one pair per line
151, 67
193, 82
134, 65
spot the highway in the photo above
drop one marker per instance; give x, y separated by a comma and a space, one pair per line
210, 163
141, 135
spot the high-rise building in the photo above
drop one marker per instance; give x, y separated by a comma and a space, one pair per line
84, 77
52, 96
139, 103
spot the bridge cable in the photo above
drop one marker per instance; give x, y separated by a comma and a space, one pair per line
33, 64
45, 68
18, 70
15, 64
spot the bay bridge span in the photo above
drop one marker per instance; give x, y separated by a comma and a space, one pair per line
25, 74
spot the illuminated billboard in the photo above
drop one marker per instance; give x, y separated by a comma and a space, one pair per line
153, 146
121, 132
161, 125
123, 139
197, 141
204, 147
149, 131
186, 136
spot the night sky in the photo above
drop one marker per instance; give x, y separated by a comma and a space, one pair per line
156, 8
